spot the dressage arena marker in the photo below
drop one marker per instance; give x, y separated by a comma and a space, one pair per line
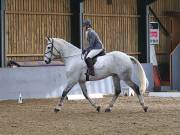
20, 98
80, 96
164, 94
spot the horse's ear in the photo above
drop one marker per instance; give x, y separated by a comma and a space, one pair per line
48, 38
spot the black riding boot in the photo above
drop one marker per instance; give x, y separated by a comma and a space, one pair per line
90, 66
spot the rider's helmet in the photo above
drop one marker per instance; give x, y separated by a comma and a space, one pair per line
87, 23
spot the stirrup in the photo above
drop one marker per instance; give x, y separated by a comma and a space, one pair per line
90, 72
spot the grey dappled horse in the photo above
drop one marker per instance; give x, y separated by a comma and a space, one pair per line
116, 64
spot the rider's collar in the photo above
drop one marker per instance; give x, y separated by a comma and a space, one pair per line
88, 29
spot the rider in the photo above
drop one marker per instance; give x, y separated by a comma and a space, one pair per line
94, 48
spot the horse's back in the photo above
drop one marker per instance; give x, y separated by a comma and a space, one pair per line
118, 53
114, 61
115, 56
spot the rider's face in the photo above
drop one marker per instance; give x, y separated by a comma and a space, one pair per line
84, 28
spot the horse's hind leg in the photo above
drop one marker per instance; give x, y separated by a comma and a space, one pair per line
85, 93
117, 86
138, 93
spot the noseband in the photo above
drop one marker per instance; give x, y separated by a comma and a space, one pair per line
58, 51
51, 51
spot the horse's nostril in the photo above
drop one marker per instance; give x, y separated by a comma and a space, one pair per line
46, 61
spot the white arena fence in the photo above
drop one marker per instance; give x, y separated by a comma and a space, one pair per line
49, 82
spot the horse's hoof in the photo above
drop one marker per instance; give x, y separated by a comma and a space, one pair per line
145, 109
108, 110
56, 110
98, 109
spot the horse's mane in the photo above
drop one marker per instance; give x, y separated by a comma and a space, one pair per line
66, 43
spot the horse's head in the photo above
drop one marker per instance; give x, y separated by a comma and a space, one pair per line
51, 51
59, 47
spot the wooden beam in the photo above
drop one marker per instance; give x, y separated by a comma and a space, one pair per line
133, 53
2, 34
111, 15
142, 30
37, 13
150, 1
25, 55
161, 25
75, 21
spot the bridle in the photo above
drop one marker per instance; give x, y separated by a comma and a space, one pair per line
53, 47
51, 50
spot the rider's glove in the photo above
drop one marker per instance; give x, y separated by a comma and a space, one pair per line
84, 51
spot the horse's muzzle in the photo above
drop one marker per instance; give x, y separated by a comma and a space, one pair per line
47, 61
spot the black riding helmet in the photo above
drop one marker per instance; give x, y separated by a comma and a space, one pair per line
87, 23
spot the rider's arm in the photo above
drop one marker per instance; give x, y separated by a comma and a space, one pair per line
91, 37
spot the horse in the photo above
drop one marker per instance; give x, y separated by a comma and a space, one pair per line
116, 64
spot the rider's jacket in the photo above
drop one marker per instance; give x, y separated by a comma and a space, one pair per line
93, 39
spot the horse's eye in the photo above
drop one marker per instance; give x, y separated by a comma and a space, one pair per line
49, 47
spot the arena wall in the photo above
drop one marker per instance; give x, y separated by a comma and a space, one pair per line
175, 65
49, 82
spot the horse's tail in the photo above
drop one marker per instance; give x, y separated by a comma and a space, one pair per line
141, 75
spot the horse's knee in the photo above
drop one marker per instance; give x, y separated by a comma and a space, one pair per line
85, 95
117, 92
64, 93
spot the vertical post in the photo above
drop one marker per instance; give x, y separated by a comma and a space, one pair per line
81, 22
147, 34
2, 34
142, 30
75, 30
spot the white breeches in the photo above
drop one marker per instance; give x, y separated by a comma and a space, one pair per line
93, 53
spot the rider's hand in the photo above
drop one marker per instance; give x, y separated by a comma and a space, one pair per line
84, 51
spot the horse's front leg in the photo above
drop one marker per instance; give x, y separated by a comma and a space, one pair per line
64, 94
117, 86
85, 93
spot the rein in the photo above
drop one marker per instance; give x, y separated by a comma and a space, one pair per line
52, 54
51, 51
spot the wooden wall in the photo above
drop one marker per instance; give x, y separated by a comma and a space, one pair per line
28, 22
115, 22
117, 25
161, 7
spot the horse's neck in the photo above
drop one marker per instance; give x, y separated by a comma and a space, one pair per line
72, 60
71, 51
67, 49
